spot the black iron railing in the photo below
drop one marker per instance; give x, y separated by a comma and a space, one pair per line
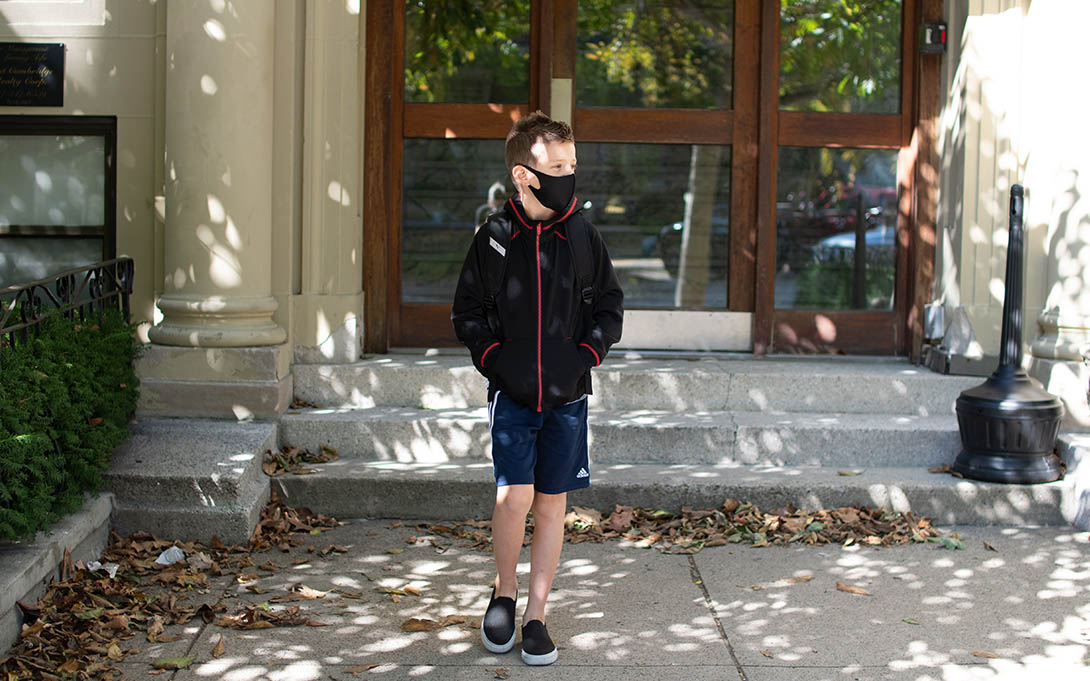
78, 293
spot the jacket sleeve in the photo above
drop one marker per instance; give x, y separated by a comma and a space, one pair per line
468, 312
608, 314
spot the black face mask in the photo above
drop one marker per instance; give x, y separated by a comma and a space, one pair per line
556, 191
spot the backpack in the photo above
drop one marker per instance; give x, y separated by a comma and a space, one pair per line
495, 265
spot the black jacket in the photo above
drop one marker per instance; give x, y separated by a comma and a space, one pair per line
543, 355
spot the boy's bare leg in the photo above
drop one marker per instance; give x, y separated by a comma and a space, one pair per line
545, 550
508, 528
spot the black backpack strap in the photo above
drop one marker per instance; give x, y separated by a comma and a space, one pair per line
578, 232
496, 243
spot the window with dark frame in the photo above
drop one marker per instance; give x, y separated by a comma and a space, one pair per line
58, 194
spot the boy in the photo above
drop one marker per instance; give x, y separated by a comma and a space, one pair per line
536, 339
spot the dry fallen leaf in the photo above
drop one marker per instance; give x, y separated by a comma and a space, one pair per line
848, 588
307, 592
499, 672
428, 624
766, 653
800, 579
174, 662
984, 653
989, 547
356, 671
155, 628
419, 624
115, 653
220, 648
411, 590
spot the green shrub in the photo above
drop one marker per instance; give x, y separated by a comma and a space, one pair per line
65, 401
829, 286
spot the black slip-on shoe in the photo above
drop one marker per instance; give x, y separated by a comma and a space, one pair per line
537, 647
498, 625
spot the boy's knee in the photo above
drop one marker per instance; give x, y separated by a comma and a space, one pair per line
551, 506
517, 498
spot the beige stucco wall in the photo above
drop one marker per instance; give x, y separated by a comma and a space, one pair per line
116, 65
113, 66
1014, 114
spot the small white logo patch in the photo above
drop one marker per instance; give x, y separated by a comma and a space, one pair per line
582, 473
496, 245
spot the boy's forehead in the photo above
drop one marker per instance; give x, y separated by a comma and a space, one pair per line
555, 150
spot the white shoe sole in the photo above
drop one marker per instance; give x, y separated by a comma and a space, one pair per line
498, 649
539, 660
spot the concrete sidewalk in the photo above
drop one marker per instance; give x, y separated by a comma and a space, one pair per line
621, 612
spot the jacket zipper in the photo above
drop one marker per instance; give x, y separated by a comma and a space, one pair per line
537, 248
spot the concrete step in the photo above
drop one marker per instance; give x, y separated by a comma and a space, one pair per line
28, 567
640, 436
190, 479
844, 385
355, 488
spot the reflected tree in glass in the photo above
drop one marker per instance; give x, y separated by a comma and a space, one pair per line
840, 55
472, 52
675, 54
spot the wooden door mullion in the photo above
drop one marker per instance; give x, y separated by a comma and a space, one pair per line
768, 146
744, 186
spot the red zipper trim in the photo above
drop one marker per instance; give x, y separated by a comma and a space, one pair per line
537, 248
571, 209
490, 348
518, 213
597, 359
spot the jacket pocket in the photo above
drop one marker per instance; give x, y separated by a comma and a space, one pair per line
515, 371
562, 370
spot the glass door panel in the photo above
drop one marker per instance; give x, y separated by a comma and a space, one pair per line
664, 213
450, 187
836, 228
676, 54
467, 52
841, 57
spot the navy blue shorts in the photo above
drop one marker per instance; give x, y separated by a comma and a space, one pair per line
545, 449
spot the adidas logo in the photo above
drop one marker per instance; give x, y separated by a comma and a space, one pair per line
582, 473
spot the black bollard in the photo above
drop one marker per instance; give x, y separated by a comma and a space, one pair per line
1009, 423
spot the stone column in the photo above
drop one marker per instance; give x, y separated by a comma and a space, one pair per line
217, 250
218, 235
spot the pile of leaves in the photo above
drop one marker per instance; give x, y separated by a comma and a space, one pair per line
735, 522
80, 627
283, 526
295, 459
77, 629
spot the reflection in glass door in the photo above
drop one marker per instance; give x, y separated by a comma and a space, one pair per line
744, 160
663, 209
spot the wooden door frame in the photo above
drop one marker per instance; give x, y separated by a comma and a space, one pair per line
388, 120
861, 331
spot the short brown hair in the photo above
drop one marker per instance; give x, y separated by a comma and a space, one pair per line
525, 134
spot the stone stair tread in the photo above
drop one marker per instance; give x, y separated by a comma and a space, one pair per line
801, 384
640, 436
215, 448
191, 478
356, 488
718, 363
644, 418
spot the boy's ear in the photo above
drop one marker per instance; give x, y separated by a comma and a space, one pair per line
520, 174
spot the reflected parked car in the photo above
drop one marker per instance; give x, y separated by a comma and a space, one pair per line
669, 246
800, 229
880, 242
